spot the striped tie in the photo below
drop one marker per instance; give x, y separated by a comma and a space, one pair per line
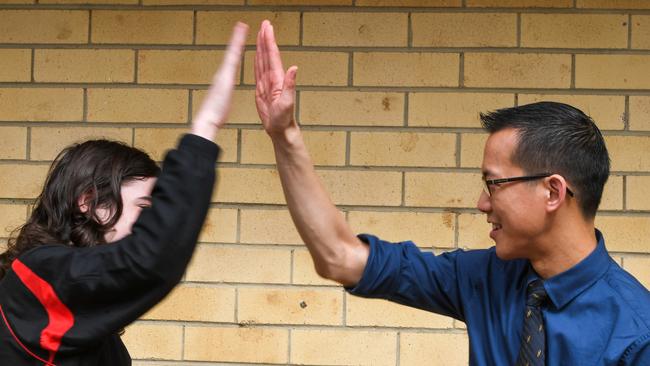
533, 342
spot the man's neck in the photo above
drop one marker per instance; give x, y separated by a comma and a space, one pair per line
563, 249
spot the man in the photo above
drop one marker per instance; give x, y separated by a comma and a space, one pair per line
547, 293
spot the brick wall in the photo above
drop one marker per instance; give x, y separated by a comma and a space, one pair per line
389, 97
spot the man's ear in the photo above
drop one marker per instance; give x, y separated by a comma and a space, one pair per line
556, 187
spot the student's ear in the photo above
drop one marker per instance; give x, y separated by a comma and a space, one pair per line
556, 193
82, 202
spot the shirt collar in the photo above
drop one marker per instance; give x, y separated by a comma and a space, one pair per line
564, 287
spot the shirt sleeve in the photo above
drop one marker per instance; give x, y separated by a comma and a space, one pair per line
106, 287
638, 353
403, 273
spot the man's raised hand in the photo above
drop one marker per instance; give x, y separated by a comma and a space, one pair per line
275, 91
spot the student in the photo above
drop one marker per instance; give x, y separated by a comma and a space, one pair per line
108, 238
548, 293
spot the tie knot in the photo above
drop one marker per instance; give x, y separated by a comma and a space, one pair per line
536, 293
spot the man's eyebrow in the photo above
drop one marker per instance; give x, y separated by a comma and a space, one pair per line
486, 173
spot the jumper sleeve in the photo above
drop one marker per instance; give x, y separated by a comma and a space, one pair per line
109, 286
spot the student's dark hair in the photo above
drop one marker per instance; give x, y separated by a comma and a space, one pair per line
558, 138
95, 171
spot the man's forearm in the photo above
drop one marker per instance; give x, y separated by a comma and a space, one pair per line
337, 253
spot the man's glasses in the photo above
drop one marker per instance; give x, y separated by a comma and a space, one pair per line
488, 183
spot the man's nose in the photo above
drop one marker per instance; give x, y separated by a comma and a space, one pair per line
483, 203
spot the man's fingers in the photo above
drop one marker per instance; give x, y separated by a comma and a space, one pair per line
274, 59
290, 79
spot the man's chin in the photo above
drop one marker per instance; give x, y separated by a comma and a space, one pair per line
504, 253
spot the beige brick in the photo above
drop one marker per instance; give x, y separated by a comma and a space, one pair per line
625, 234
629, 153
639, 267
304, 272
240, 185
517, 70
157, 141
612, 194
112, 2
13, 142
454, 109
473, 231
608, 111
42, 104
403, 149
464, 30
355, 29
220, 226
178, 67
641, 31
300, 2
241, 110
435, 349
638, 193
215, 27
47, 142
363, 187
268, 227
145, 340
471, 149
228, 264
405, 69
351, 108
640, 113
414, 3
137, 105
314, 68
343, 347
325, 147
84, 66
192, 303
425, 229
574, 30
520, 3
290, 306
382, 313
16, 65
609, 4
193, 2
43, 26
236, 344
151, 27
21, 181
442, 189
612, 71
11, 217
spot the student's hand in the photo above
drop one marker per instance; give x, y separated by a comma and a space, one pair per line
275, 91
215, 107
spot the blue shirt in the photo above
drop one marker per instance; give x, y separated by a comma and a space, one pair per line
597, 313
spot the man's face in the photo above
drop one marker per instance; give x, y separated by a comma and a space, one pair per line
136, 194
515, 209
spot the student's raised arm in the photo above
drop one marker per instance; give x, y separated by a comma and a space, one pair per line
337, 253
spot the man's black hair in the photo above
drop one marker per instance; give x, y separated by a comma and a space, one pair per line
557, 138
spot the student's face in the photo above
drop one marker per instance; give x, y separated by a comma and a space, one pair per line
515, 209
136, 194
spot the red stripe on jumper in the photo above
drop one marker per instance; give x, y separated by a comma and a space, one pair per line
60, 317
47, 363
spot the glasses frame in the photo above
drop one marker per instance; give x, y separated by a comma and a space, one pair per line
524, 178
